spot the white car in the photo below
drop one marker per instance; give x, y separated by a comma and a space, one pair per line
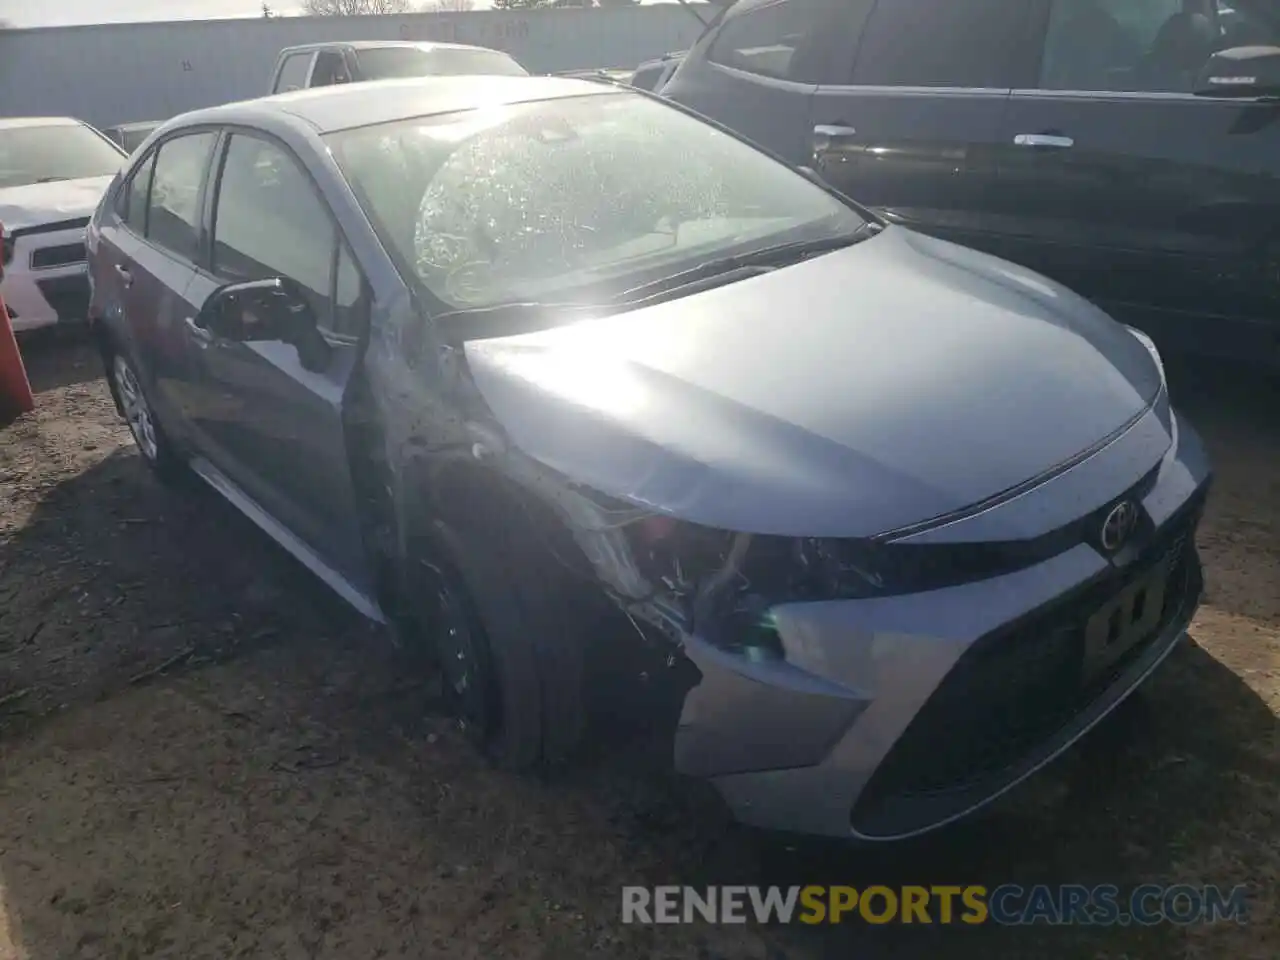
53, 172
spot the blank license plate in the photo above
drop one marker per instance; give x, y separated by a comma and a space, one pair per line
1124, 620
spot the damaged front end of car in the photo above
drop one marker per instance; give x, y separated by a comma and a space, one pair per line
825, 560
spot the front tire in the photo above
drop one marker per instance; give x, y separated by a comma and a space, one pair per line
511, 627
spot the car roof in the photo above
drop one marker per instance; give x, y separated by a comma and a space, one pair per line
344, 106
12, 123
384, 44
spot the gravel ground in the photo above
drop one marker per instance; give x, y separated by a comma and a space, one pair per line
203, 754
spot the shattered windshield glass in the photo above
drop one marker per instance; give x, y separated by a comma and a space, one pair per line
577, 196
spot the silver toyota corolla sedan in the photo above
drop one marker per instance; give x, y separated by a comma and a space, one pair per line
507, 361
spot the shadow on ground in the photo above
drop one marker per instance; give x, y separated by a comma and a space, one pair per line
58, 357
202, 753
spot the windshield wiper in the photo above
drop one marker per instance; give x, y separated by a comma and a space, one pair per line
777, 255
498, 319
51, 179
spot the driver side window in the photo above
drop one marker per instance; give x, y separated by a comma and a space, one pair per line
270, 221
1244, 27
1140, 46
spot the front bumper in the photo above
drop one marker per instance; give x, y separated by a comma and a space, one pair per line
40, 287
894, 716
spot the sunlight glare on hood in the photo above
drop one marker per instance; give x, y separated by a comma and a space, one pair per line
587, 377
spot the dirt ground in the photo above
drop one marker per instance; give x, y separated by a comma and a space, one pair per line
204, 754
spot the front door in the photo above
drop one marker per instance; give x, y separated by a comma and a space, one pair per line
911, 127
1120, 182
275, 423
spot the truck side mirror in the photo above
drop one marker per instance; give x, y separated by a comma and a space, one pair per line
1242, 73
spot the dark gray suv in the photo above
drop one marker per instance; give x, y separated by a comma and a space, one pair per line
1094, 141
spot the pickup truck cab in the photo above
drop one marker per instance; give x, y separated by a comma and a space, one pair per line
325, 64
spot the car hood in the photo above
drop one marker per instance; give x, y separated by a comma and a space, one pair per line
40, 203
882, 385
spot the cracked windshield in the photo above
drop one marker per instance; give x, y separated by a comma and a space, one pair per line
540, 200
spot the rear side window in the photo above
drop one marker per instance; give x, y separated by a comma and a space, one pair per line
293, 73
135, 196
173, 210
489, 63
941, 43
785, 39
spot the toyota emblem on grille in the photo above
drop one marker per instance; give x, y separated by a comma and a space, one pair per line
1118, 526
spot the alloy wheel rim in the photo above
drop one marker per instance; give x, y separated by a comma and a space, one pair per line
137, 413
456, 644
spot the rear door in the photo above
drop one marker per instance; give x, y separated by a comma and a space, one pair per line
1118, 181
758, 69
276, 427
113, 241
159, 239
912, 124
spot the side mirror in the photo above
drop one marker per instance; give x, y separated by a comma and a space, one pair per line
260, 311
1242, 72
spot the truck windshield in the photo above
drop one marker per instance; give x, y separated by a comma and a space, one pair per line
48, 152
393, 62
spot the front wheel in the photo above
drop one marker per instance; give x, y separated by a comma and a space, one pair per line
511, 631
153, 445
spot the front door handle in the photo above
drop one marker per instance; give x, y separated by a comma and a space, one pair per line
1054, 140
125, 276
198, 333
828, 136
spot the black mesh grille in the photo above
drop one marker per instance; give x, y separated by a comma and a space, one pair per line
69, 296
58, 256
1015, 688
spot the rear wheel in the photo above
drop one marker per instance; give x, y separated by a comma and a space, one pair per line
153, 445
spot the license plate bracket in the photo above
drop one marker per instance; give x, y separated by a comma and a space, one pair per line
1123, 621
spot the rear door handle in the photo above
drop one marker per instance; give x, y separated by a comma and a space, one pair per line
125, 276
1044, 140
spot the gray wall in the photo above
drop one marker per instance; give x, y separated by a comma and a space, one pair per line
115, 73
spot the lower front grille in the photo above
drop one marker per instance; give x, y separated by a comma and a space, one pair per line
68, 296
1017, 687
